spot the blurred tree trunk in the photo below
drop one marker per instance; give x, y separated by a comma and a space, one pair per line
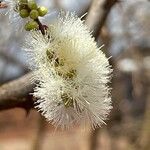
145, 134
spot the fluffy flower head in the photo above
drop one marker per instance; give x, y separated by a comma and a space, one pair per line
73, 74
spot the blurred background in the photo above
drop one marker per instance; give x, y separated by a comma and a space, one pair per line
126, 37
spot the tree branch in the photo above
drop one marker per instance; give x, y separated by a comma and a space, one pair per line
16, 93
97, 15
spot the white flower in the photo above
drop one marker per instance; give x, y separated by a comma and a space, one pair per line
73, 74
12, 11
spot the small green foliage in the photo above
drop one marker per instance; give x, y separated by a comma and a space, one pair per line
42, 11
32, 4
31, 25
34, 14
24, 13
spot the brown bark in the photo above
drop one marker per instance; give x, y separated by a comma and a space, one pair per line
16, 93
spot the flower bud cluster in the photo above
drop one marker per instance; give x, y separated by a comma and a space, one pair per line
25, 13
29, 8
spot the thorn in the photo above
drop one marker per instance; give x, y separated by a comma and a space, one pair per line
28, 104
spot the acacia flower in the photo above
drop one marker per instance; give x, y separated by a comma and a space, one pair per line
73, 74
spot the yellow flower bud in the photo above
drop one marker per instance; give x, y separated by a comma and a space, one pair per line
32, 4
24, 13
34, 14
42, 11
31, 25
